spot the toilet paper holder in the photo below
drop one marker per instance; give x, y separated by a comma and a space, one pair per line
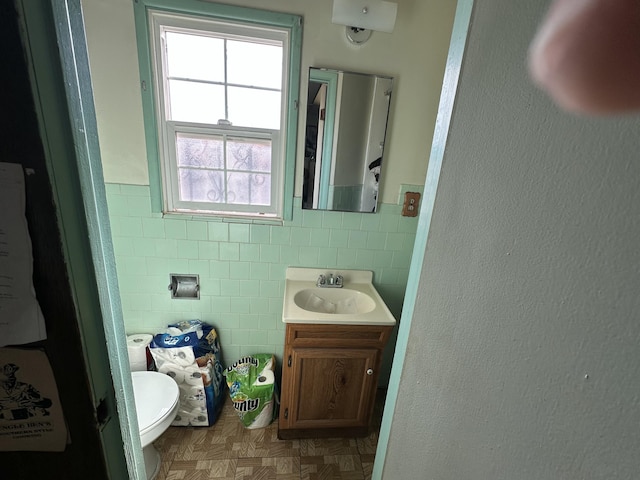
184, 286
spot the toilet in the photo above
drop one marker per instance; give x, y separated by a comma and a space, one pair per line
156, 396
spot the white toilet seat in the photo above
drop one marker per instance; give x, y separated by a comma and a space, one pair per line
156, 398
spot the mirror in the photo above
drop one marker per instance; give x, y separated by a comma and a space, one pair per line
344, 142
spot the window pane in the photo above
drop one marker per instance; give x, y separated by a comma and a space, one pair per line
249, 154
194, 56
260, 189
249, 189
249, 107
199, 151
195, 102
201, 185
254, 64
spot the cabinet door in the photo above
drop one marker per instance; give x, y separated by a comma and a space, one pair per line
330, 387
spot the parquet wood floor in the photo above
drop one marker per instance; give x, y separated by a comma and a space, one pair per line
228, 451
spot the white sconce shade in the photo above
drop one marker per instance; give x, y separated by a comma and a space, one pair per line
368, 14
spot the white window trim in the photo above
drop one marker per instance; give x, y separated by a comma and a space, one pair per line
157, 20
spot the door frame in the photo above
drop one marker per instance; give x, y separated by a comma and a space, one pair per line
74, 59
330, 79
54, 40
457, 46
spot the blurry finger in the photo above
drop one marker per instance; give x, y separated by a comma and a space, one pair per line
586, 55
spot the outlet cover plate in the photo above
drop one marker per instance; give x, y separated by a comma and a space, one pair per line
411, 204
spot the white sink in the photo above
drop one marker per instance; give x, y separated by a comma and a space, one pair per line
336, 301
356, 303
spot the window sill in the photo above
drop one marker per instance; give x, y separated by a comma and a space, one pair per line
222, 219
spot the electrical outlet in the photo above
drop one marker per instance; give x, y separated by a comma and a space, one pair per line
411, 203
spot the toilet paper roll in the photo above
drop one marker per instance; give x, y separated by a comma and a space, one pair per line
186, 290
173, 331
192, 397
137, 365
180, 420
198, 417
174, 371
194, 402
137, 346
192, 375
188, 391
182, 356
267, 377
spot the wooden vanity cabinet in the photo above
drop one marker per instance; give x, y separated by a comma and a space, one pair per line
329, 379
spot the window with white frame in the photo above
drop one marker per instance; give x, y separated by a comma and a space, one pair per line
220, 109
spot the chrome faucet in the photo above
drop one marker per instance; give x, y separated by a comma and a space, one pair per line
331, 282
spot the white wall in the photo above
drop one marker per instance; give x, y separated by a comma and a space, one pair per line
523, 359
414, 54
353, 111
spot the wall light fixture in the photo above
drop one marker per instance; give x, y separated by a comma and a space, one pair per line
361, 17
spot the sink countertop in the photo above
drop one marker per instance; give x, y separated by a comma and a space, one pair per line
298, 279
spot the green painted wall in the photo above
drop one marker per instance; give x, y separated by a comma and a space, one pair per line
242, 266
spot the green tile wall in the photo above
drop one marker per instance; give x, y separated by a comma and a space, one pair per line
242, 266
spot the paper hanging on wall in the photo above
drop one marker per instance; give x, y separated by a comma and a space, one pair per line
21, 319
31, 417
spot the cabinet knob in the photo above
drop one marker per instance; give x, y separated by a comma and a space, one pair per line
370, 371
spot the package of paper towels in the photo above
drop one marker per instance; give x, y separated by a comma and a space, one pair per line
138, 350
252, 387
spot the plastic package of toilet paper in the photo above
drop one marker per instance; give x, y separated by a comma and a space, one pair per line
252, 387
189, 352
